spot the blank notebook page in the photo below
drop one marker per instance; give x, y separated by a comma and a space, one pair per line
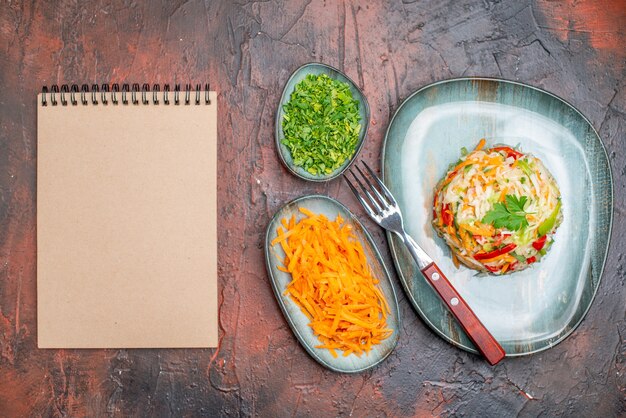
126, 224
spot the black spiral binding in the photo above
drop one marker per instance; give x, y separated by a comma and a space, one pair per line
98, 94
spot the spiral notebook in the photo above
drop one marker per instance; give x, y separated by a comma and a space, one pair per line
126, 217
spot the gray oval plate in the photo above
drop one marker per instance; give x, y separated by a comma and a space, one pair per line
534, 309
298, 322
364, 111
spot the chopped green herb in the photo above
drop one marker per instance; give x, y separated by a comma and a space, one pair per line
464, 151
321, 124
509, 215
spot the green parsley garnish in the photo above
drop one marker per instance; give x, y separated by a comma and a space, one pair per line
321, 124
509, 215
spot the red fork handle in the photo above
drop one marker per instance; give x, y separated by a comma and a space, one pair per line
475, 330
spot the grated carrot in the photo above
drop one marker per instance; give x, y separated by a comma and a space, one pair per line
467, 240
505, 256
496, 161
455, 260
503, 194
479, 228
332, 283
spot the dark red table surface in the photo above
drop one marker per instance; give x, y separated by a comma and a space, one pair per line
247, 50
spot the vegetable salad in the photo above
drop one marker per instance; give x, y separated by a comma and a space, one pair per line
497, 209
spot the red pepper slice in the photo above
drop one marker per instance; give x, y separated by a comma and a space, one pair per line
531, 260
538, 245
495, 253
492, 269
510, 152
446, 215
452, 174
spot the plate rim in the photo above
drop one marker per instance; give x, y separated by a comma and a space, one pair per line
392, 247
278, 292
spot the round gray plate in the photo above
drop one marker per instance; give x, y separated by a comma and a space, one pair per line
527, 311
297, 320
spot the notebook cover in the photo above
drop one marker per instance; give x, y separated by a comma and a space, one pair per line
126, 225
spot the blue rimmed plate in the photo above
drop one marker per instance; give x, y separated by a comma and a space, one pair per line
526, 311
298, 322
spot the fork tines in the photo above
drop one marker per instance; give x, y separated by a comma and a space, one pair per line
380, 201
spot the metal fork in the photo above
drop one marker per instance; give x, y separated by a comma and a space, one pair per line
384, 210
